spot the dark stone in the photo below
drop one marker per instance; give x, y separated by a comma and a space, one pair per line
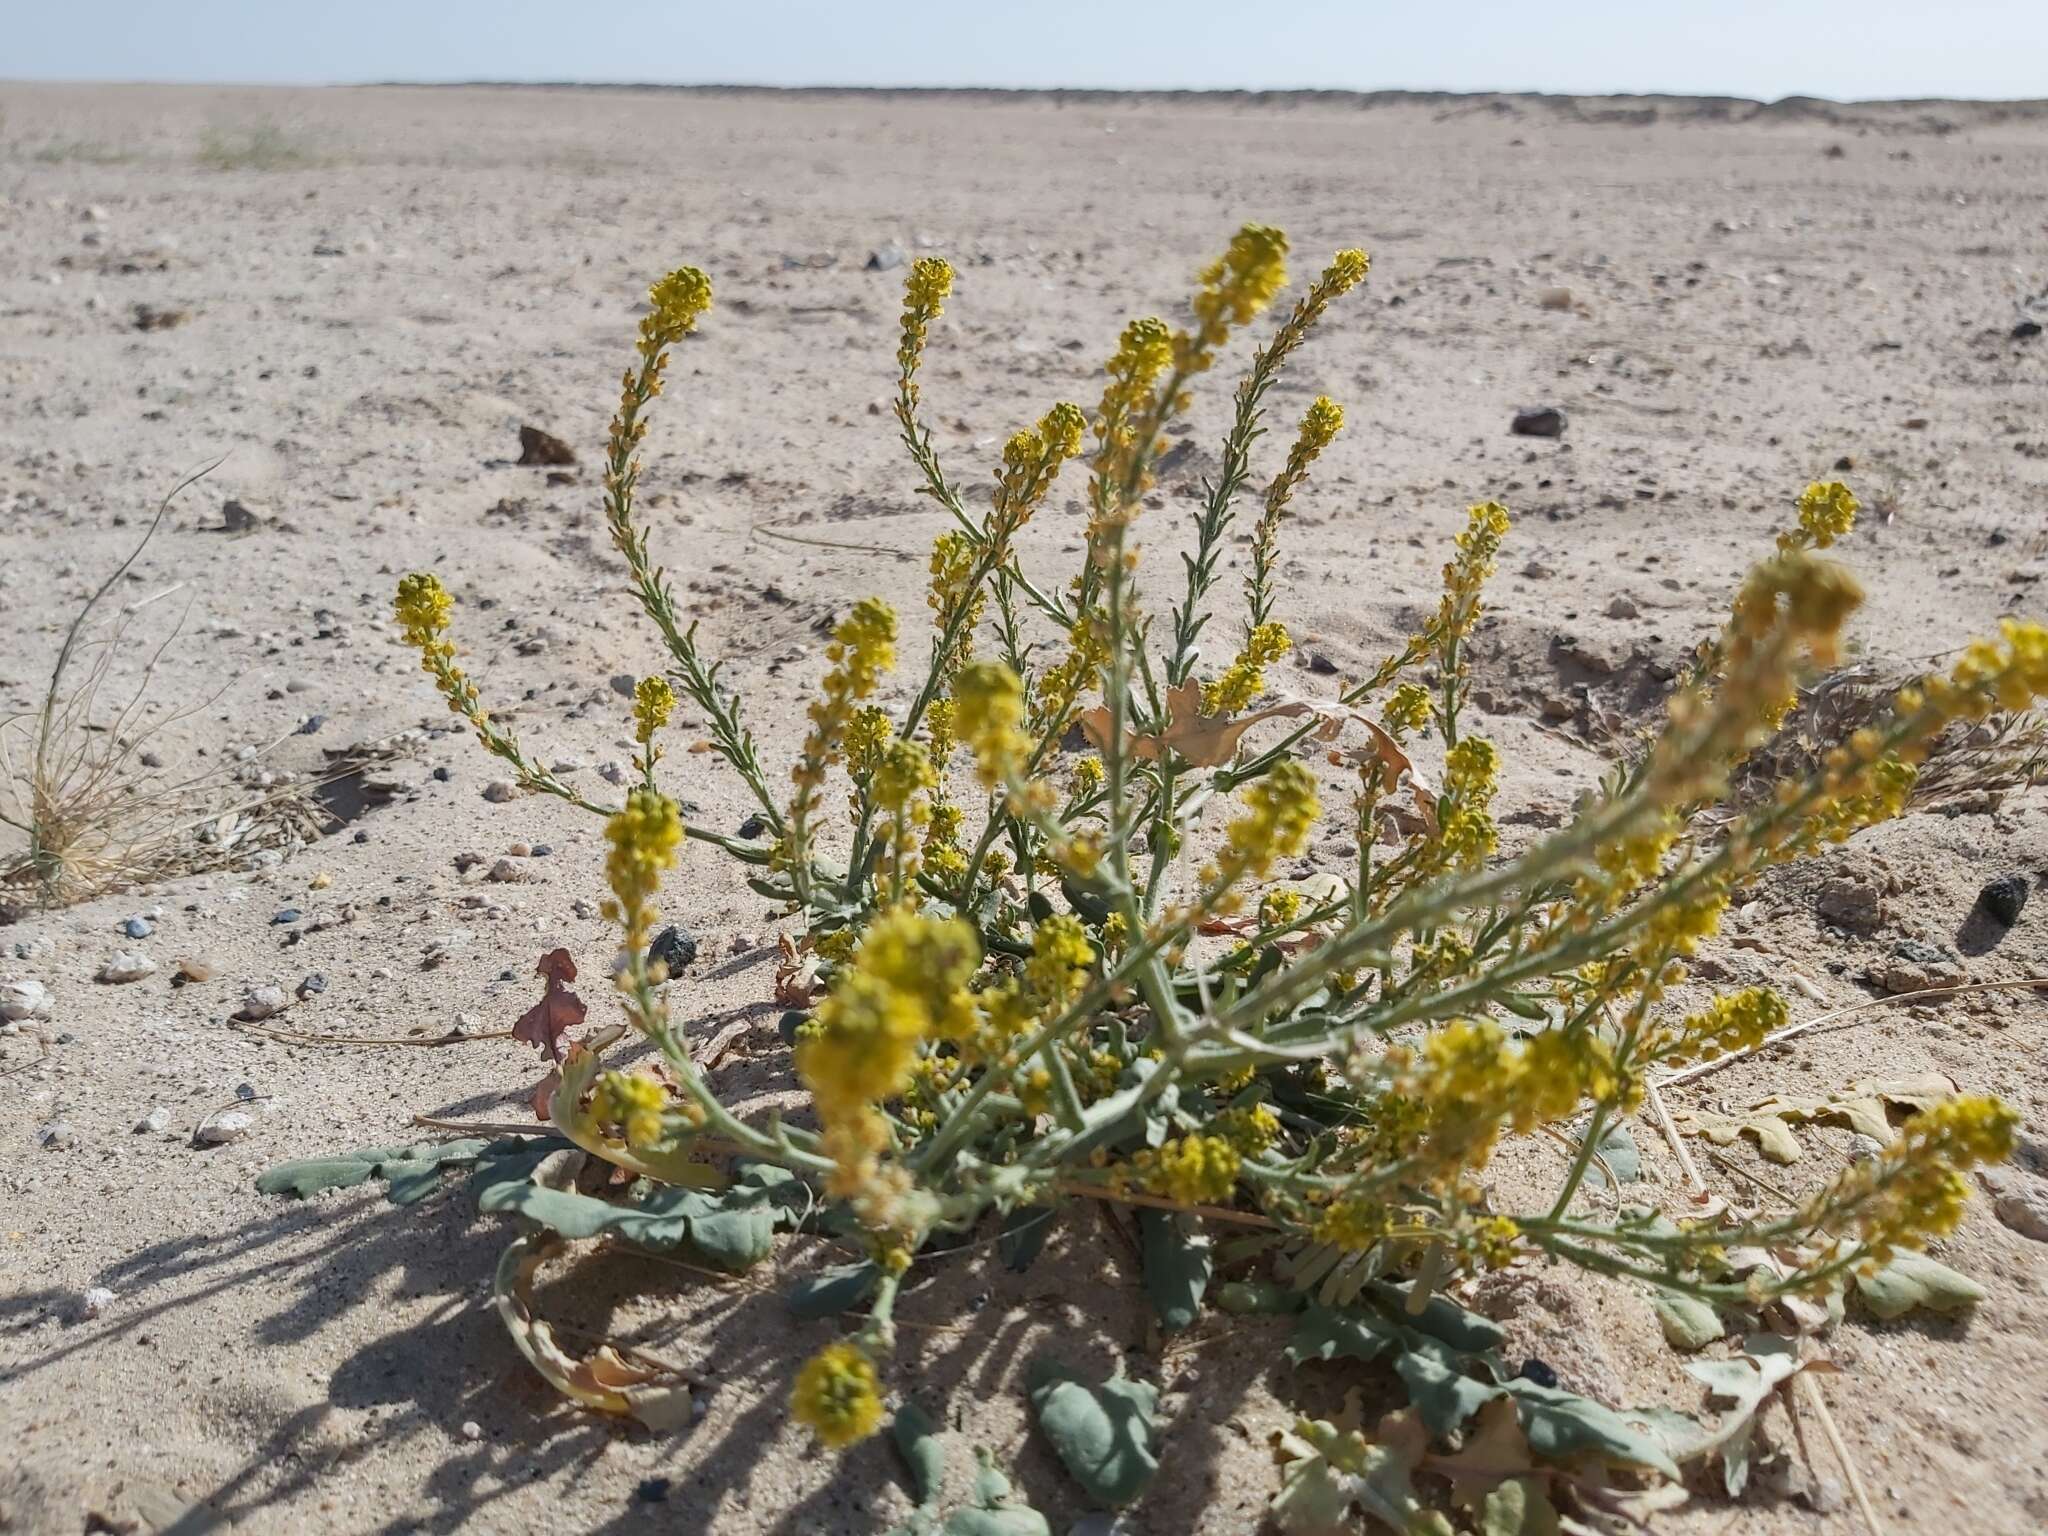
136, 928
884, 258
753, 826
312, 725
652, 1490
2004, 898
284, 916
312, 985
2026, 330
442, 774
1538, 421
538, 447
1321, 665
673, 948
1535, 1370
360, 837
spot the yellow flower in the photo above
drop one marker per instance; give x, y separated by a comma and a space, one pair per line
653, 702
1407, 710
632, 1101
838, 1395
1087, 776
1277, 908
1826, 513
423, 608
1246, 678
1915, 1189
1195, 1170
1060, 958
924, 295
863, 648
678, 300
1280, 812
1353, 1223
1234, 288
989, 704
1251, 1129
1739, 1021
644, 836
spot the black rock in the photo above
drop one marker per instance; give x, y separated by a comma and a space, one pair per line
2026, 330
442, 774
312, 725
1535, 1370
284, 916
312, 985
673, 948
753, 826
2004, 898
1538, 421
652, 1490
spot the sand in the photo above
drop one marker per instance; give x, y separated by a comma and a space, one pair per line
380, 286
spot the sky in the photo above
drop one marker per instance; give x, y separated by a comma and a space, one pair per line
1843, 49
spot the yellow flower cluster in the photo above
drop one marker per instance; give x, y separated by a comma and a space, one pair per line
1250, 1129
1915, 1190
954, 588
675, 304
1739, 1021
989, 705
1469, 569
906, 984
1031, 463
1407, 710
632, 1101
1465, 830
644, 836
1826, 513
1989, 676
1320, 425
1279, 907
1354, 1223
902, 779
1246, 678
1280, 812
423, 608
1194, 1170
924, 296
863, 648
1143, 353
1062, 686
1234, 288
1060, 958
653, 702
838, 1395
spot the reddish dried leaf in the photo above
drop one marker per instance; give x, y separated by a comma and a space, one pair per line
559, 1009
543, 1098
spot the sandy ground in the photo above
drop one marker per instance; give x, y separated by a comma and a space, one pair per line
368, 323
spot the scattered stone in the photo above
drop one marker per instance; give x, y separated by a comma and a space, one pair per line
95, 1301
1863, 1148
1849, 901
137, 928
520, 851
538, 447
1535, 570
236, 518
612, 773
57, 1136
2005, 898
260, 1003
753, 826
1554, 298
623, 684
199, 967
742, 943
126, 965
471, 1430
312, 725
2026, 330
1538, 421
507, 872
566, 765
149, 318
2018, 1199
1624, 608
885, 258
155, 1123
222, 1129
25, 999
1915, 967
542, 850
284, 917
311, 984
498, 791
673, 948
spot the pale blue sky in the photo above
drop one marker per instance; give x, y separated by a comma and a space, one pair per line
1761, 48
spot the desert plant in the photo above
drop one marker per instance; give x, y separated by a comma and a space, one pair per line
261, 144
1030, 972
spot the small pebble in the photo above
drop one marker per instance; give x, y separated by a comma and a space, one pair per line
284, 916
199, 967
471, 1430
260, 1003
520, 850
498, 791
320, 882
25, 999
312, 985
222, 1129
673, 948
155, 1123
137, 928
245, 1091
57, 1136
95, 1301
611, 773
442, 775
126, 965
542, 850
2005, 898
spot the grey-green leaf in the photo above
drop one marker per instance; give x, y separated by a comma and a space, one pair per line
1178, 1262
1325, 1333
1441, 1318
309, 1176
1440, 1390
1103, 1435
917, 1440
1688, 1322
1618, 1150
1560, 1425
831, 1291
1914, 1280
